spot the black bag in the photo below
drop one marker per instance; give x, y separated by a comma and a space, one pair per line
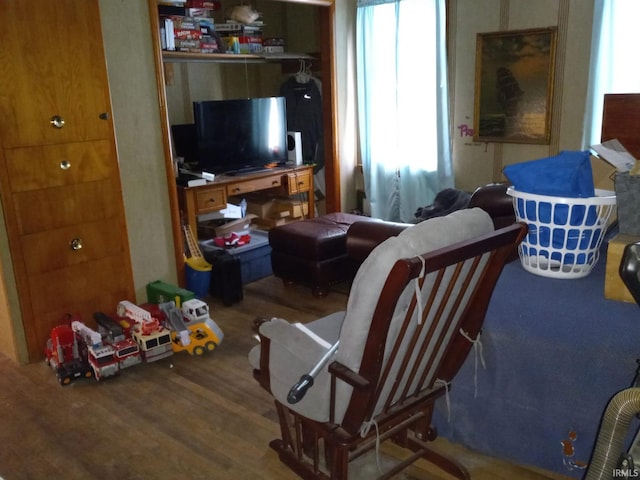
226, 276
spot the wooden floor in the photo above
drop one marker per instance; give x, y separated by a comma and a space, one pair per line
179, 418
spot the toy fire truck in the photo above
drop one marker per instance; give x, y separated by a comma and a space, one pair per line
67, 355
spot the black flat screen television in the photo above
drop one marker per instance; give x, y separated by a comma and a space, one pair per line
242, 135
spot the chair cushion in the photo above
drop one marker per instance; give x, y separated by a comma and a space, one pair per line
422, 238
294, 353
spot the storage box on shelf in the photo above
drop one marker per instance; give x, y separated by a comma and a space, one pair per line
241, 38
219, 228
189, 34
273, 211
255, 257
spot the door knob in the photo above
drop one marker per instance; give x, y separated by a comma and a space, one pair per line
75, 244
57, 121
65, 164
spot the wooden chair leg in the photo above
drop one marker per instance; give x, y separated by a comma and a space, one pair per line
339, 463
446, 463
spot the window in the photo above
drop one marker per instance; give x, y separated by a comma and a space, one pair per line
402, 104
613, 59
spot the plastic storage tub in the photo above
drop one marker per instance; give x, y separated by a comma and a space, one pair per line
255, 257
565, 234
198, 276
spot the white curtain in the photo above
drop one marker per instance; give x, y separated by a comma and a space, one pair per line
403, 113
614, 64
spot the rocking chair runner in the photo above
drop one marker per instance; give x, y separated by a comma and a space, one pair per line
410, 323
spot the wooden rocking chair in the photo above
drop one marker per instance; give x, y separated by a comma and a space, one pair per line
410, 323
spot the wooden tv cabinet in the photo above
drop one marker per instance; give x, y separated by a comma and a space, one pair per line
213, 196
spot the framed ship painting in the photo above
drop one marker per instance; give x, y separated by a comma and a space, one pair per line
514, 86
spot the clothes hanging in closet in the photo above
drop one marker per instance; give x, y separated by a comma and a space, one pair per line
304, 115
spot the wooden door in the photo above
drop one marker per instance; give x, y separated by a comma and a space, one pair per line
59, 176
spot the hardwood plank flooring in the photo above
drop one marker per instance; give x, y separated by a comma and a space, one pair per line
179, 418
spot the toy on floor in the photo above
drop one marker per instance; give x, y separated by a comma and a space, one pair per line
192, 329
107, 355
64, 353
136, 333
153, 338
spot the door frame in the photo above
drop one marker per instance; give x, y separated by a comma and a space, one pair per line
329, 100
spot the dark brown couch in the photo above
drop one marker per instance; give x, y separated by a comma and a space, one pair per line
362, 237
326, 250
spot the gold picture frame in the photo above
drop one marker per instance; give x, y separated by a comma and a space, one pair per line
514, 86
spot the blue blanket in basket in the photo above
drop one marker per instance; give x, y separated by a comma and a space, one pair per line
567, 174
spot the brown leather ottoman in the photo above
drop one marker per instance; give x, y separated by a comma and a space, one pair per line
313, 252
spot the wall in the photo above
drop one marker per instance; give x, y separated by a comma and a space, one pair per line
479, 163
136, 110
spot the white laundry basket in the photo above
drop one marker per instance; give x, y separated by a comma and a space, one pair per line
565, 234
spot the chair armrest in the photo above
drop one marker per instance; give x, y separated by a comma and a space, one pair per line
349, 376
363, 237
494, 200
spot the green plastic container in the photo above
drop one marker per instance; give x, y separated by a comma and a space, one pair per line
160, 292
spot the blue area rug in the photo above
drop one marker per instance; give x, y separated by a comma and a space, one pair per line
556, 351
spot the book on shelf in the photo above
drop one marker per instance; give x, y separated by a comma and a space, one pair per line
169, 34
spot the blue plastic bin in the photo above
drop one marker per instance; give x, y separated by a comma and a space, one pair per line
198, 280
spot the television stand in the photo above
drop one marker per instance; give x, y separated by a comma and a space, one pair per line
212, 197
247, 171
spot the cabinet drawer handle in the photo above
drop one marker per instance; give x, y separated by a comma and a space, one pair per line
300, 183
237, 189
212, 200
104, 116
275, 182
75, 244
65, 164
57, 121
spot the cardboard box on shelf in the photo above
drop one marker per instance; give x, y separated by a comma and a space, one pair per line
295, 208
209, 229
208, 45
234, 225
268, 223
189, 46
250, 44
198, 12
260, 205
185, 23
208, 4
273, 49
603, 173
